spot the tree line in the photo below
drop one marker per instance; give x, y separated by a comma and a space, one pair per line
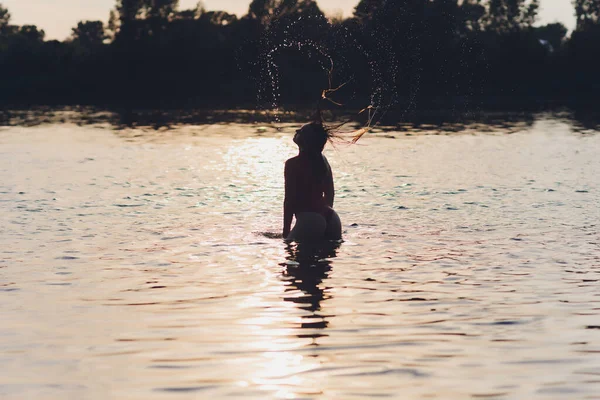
413, 54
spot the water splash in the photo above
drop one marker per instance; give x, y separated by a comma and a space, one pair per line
333, 54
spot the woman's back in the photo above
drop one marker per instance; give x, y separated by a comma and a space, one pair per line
309, 183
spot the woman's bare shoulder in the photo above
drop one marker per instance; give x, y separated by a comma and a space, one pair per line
292, 161
291, 165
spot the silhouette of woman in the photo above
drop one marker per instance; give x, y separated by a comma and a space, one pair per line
309, 190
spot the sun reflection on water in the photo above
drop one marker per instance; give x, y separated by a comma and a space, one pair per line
290, 320
260, 160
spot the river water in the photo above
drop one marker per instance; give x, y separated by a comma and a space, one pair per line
140, 263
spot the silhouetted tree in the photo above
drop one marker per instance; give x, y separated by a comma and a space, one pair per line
113, 24
129, 10
261, 10
587, 12
89, 34
505, 16
162, 9
582, 51
426, 53
365, 10
4, 17
265, 11
219, 17
135, 18
472, 14
191, 14
32, 34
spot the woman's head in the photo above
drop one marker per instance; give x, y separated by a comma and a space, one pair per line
311, 137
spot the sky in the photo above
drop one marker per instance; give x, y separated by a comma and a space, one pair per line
57, 17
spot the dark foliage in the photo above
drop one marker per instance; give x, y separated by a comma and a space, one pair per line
408, 54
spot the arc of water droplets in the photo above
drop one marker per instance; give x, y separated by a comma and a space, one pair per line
381, 98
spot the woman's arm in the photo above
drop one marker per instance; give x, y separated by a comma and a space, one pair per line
288, 202
329, 188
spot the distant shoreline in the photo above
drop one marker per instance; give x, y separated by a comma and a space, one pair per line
396, 116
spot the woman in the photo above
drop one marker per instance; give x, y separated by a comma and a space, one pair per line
309, 190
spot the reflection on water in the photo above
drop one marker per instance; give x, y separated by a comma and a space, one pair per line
307, 266
131, 266
437, 122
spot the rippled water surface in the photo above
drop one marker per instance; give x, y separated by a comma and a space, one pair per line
142, 264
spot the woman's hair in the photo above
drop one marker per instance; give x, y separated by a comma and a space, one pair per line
333, 132
313, 141
318, 137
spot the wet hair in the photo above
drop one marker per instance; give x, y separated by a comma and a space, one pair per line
317, 138
312, 141
332, 133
